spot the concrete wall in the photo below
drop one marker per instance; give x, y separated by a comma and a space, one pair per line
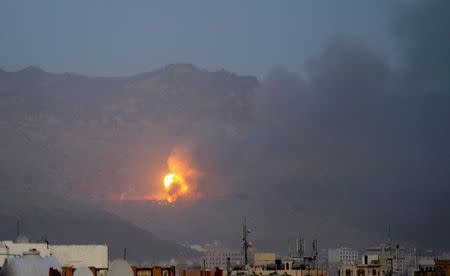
264, 258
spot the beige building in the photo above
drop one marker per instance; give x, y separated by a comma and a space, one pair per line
262, 259
361, 270
267, 264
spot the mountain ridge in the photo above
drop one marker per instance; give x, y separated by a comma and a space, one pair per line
43, 215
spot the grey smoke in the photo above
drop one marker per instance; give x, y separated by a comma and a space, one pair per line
357, 137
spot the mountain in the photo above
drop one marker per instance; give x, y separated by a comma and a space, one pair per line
67, 138
178, 90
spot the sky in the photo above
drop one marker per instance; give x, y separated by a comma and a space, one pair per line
121, 38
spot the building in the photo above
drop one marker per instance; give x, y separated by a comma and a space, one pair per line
394, 260
371, 255
339, 256
201, 272
443, 265
67, 255
289, 267
429, 271
343, 255
262, 259
216, 255
436, 267
361, 270
89, 255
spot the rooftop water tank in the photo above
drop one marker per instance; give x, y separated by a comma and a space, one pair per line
83, 271
120, 267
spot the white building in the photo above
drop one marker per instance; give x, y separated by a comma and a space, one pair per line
343, 255
67, 255
216, 255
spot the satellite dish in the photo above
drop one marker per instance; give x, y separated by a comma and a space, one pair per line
120, 267
83, 271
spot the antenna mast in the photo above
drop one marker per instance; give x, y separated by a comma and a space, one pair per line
17, 228
300, 246
246, 245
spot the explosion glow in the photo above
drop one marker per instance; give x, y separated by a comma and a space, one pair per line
175, 186
168, 180
181, 180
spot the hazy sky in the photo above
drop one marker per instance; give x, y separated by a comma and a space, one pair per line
122, 37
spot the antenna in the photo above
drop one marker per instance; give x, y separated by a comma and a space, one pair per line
415, 258
389, 236
17, 228
246, 244
289, 249
300, 244
315, 247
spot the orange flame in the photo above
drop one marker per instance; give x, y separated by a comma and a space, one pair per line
175, 186
181, 181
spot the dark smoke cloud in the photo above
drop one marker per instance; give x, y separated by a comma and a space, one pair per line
421, 32
355, 138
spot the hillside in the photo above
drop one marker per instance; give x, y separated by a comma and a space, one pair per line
45, 216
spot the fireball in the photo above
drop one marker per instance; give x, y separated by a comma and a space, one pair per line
180, 180
175, 186
169, 179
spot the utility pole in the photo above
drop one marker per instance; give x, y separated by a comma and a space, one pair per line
204, 267
315, 246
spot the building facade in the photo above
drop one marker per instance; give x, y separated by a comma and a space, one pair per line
216, 255
339, 256
289, 267
343, 255
361, 270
